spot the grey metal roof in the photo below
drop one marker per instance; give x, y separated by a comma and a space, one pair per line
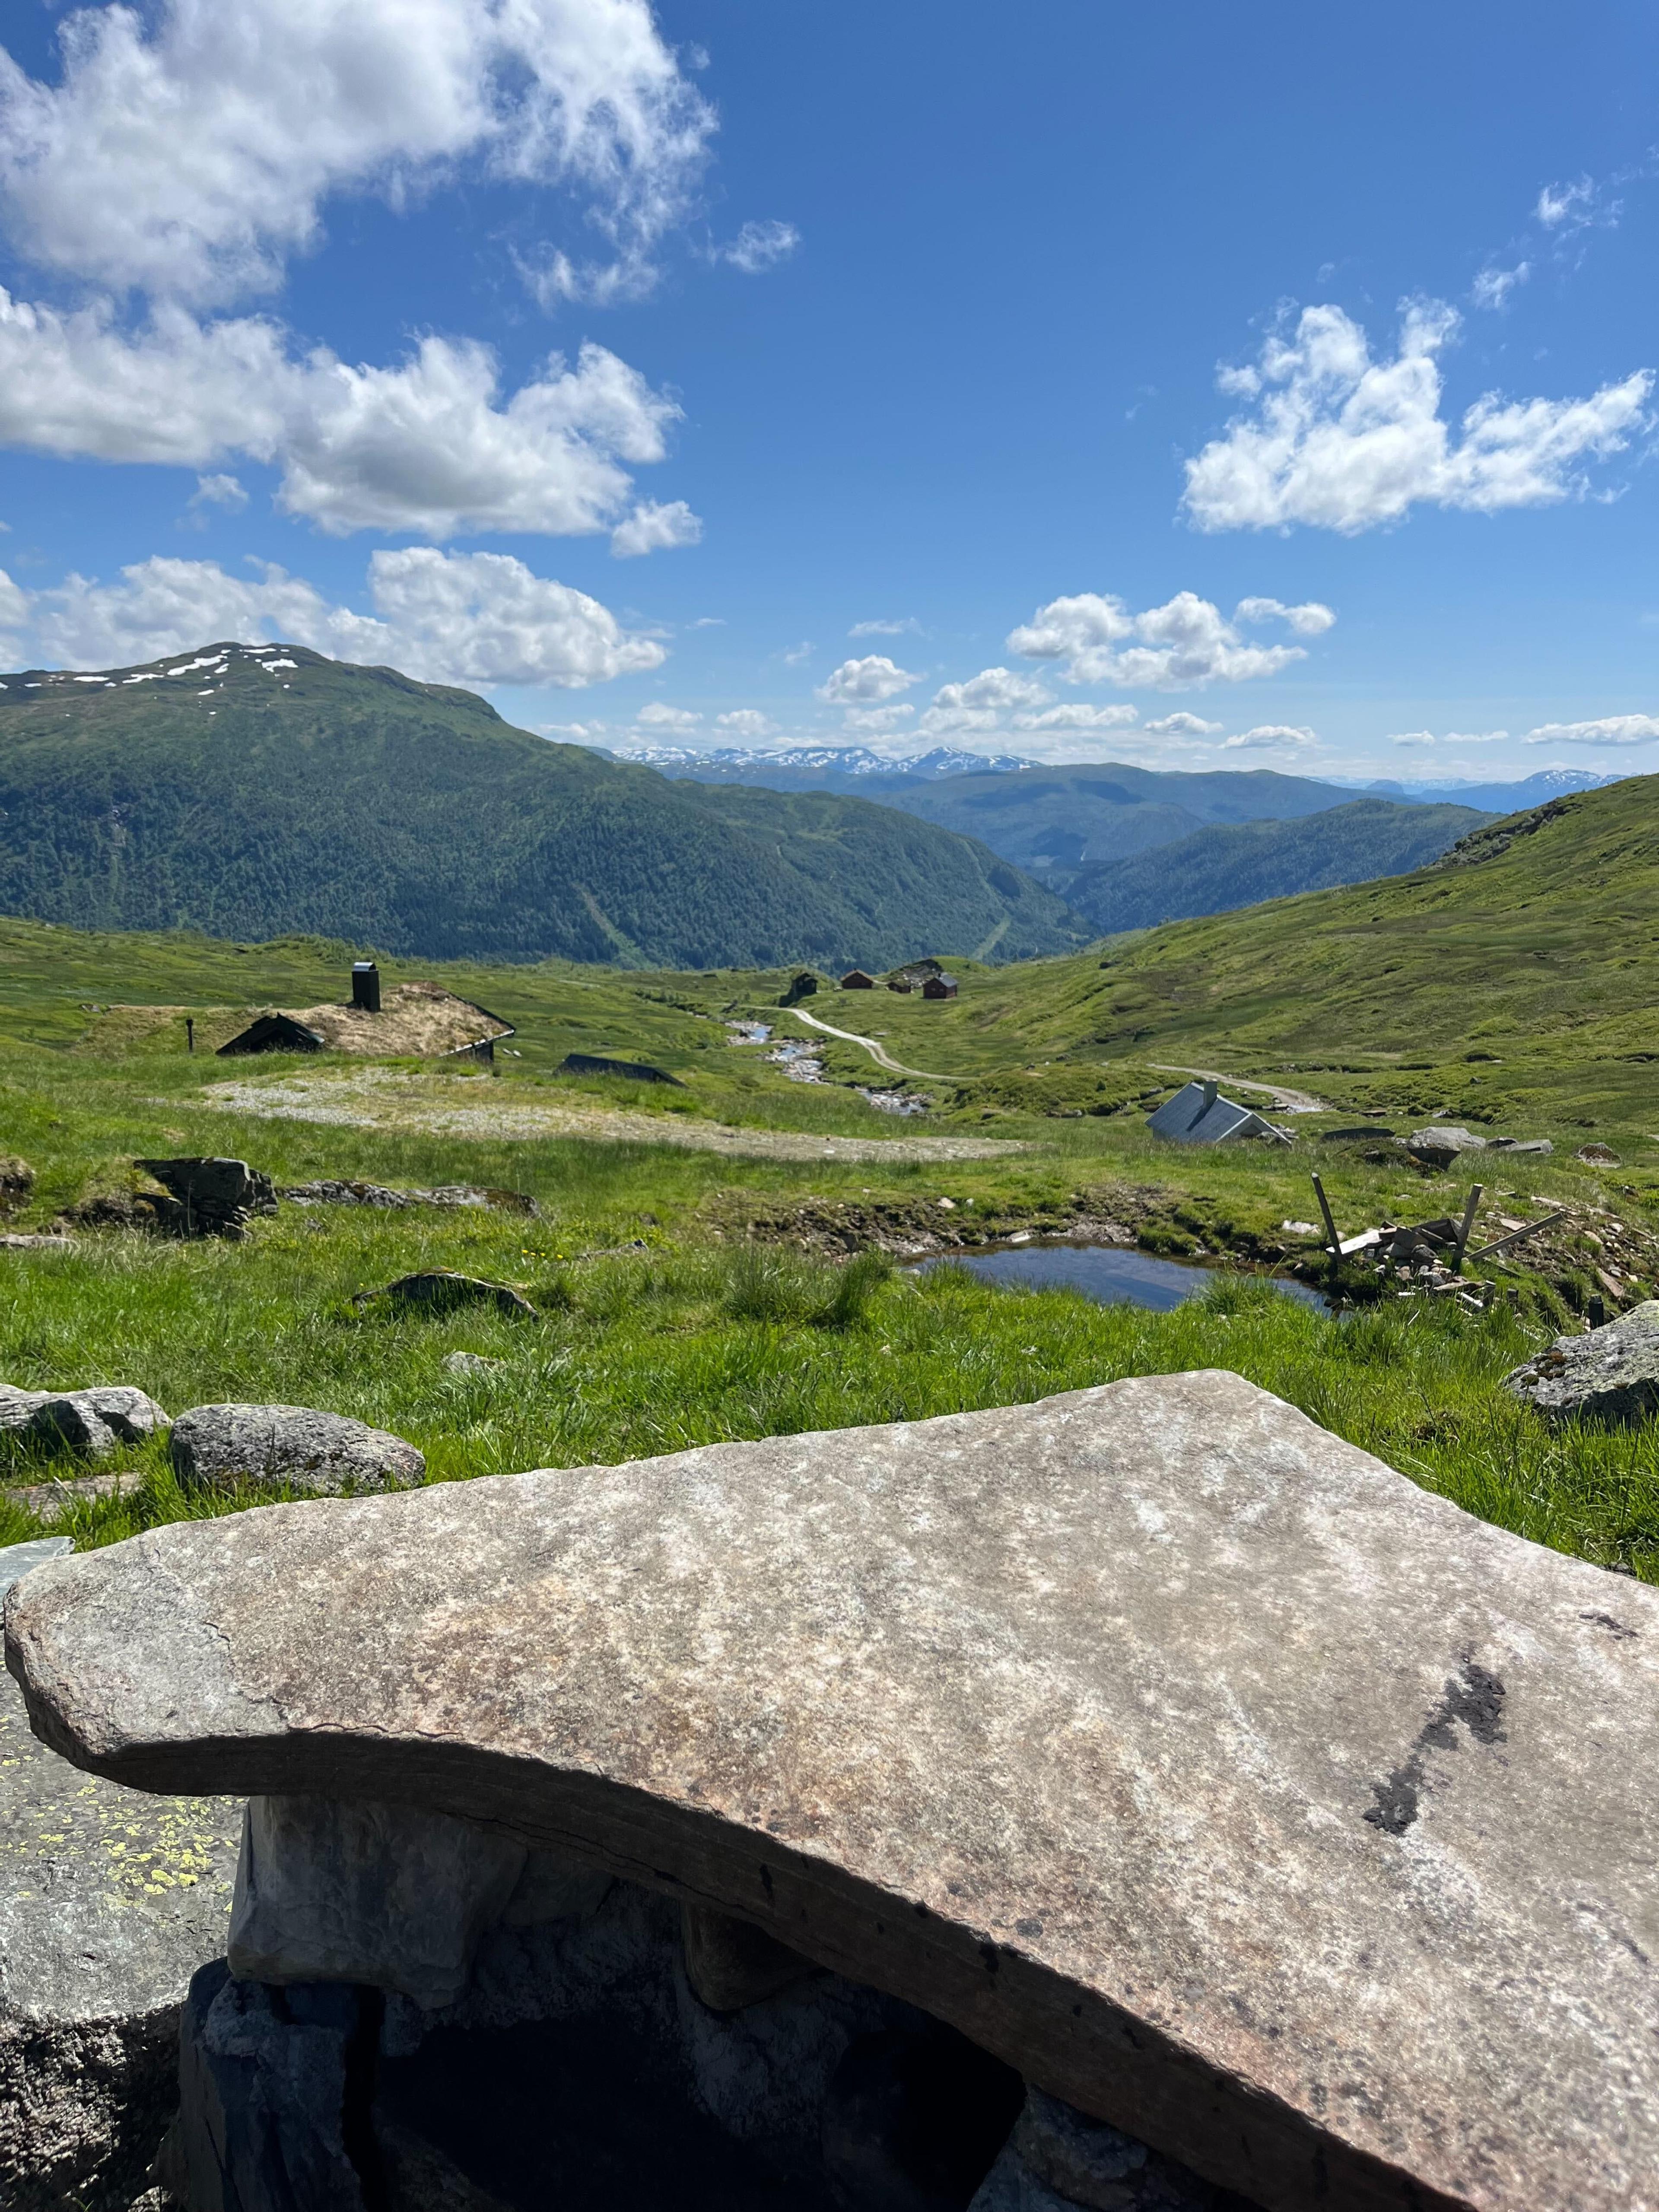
1198, 1114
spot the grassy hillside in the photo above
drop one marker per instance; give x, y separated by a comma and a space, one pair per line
1516, 979
675, 1305
1221, 868
259, 794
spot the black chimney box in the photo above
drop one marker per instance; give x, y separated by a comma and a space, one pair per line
366, 986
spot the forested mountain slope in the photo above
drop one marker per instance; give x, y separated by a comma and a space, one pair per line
259, 792
1057, 820
1241, 863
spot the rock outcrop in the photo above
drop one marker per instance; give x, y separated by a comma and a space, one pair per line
440, 1290
1610, 1377
109, 1900
1183, 1757
327, 1454
210, 1197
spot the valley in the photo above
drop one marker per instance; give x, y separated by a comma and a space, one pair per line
690, 1241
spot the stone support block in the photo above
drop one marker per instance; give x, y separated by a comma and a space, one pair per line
376, 1894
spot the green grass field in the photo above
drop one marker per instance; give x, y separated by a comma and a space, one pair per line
663, 1323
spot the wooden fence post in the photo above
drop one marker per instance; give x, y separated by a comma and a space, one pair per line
1464, 1227
1330, 1224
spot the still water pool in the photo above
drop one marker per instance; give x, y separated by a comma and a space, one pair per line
1111, 1275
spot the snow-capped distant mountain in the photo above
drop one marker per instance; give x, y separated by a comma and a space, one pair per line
1499, 798
736, 764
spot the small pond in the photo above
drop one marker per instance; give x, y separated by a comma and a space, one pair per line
1111, 1275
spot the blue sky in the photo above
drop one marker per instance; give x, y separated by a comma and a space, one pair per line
1197, 386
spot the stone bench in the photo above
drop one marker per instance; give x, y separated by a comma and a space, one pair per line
1224, 1785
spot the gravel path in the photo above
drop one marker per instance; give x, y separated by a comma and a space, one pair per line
878, 1053
1285, 1101
448, 1106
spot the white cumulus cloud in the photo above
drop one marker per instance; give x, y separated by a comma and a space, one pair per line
189, 149
653, 529
1310, 619
1267, 736
981, 702
428, 445
1612, 730
219, 491
476, 618
1185, 643
1567, 207
758, 246
876, 722
654, 715
1074, 715
899, 626
746, 722
865, 683
1184, 725
1337, 440
1492, 287
1451, 738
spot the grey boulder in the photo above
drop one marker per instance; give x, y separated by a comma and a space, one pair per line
53, 1501
1440, 1146
326, 1455
1610, 1377
469, 1363
89, 1423
1083, 2161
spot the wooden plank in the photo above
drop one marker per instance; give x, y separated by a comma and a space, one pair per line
1518, 1236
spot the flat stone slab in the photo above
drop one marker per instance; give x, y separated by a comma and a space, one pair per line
1235, 1790
1610, 1377
51, 1501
